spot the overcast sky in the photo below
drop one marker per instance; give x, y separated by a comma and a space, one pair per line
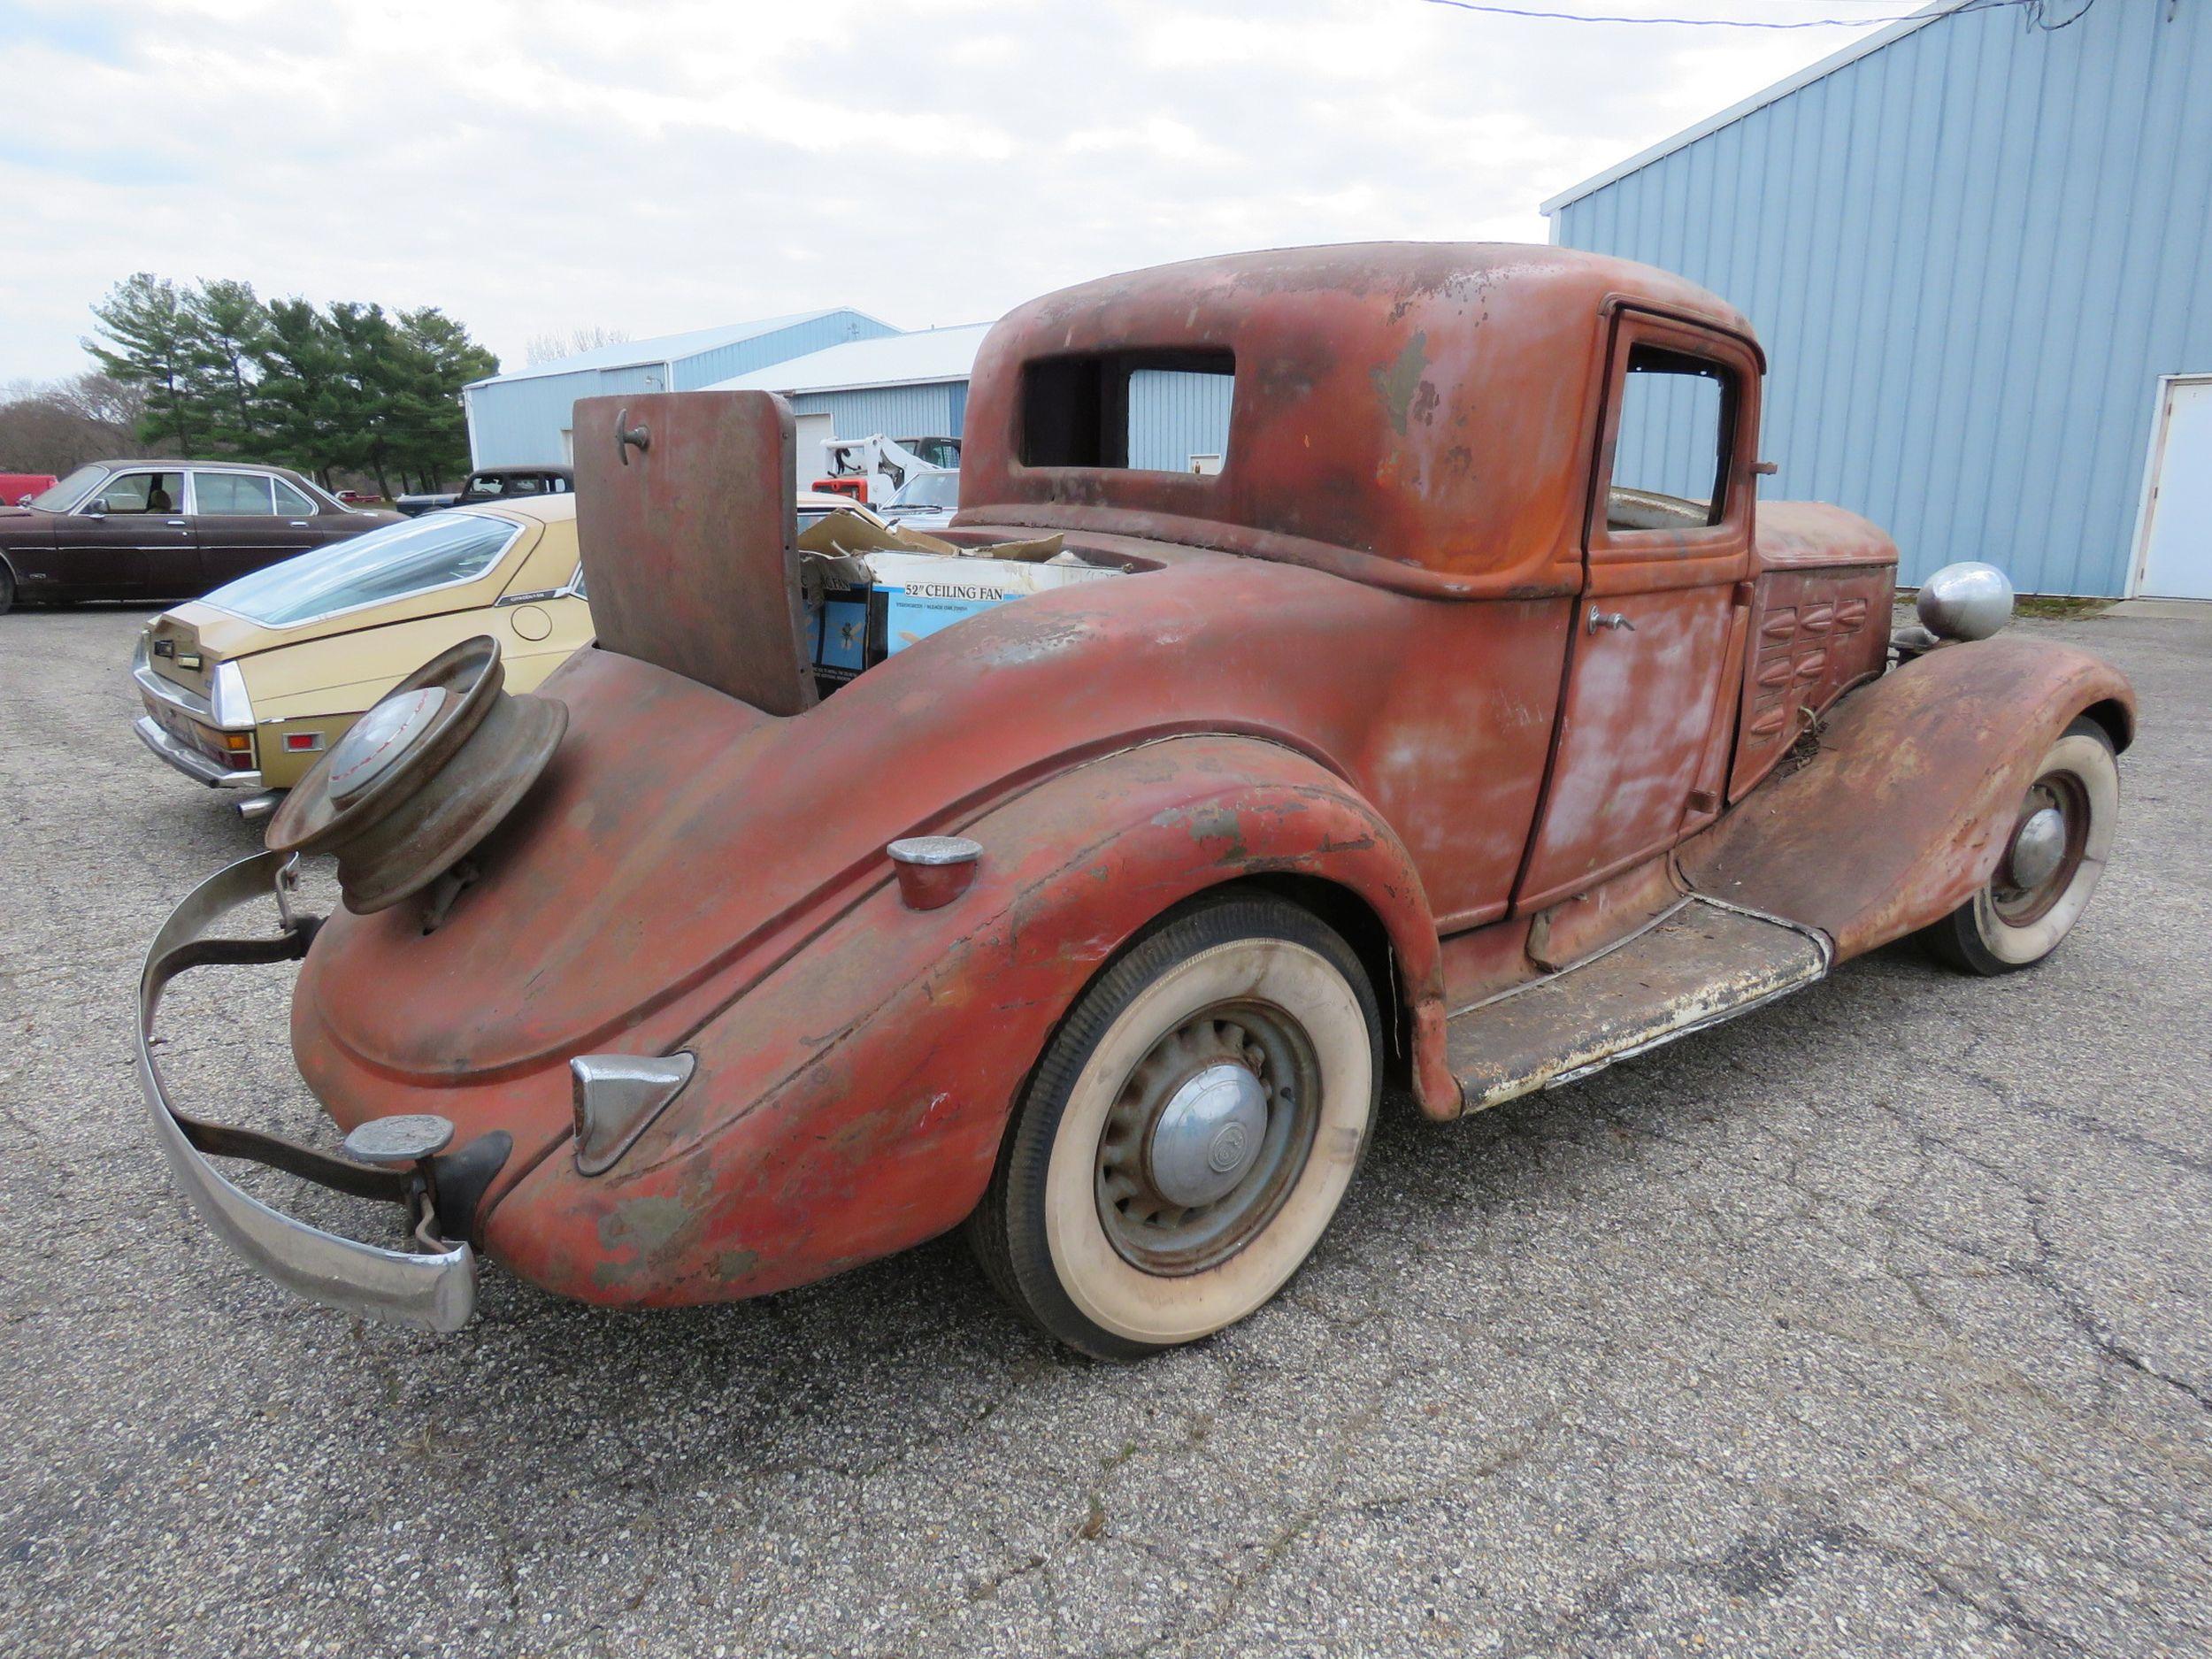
532, 168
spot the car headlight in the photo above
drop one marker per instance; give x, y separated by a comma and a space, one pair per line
229, 703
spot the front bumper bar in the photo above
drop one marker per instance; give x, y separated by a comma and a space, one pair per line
189, 760
434, 1288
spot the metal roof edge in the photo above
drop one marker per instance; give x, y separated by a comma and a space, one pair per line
1734, 113
547, 371
874, 386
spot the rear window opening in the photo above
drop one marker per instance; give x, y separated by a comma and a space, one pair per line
1150, 411
1670, 451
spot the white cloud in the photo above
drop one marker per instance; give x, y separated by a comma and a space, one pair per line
655, 167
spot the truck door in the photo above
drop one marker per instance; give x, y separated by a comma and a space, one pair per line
1656, 643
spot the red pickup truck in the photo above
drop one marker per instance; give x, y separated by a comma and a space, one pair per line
18, 488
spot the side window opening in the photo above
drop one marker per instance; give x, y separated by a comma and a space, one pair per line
1671, 450
1144, 410
141, 492
234, 494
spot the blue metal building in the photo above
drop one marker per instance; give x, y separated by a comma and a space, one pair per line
525, 417
912, 385
1978, 246
916, 385
846, 374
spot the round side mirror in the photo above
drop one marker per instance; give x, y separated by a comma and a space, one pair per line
1967, 601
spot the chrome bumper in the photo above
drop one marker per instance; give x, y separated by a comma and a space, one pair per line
434, 1289
189, 760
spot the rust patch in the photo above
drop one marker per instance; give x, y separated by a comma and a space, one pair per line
731, 1266
1398, 383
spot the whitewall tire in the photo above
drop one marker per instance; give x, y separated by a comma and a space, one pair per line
1190, 1131
2060, 839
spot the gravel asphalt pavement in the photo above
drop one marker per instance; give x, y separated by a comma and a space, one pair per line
1877, 1323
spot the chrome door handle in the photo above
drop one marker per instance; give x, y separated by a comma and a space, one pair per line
1598, 619
174, 523
299, 524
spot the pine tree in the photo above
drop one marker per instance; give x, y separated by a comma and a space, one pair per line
346, 386
230, 330
364, 342
432, 358
302, 396
150, 344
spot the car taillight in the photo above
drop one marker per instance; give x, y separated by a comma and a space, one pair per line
238, 743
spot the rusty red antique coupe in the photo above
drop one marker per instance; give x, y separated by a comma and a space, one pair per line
1472, 726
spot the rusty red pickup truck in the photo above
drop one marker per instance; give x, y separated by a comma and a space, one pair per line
1462, 721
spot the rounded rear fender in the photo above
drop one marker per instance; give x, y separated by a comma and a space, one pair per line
1906, 809
851, 1103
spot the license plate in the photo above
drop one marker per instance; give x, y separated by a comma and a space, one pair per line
176, 724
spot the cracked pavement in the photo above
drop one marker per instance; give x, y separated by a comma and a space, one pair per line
1873, 1322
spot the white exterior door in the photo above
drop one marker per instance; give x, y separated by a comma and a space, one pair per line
2177, 525
811, 432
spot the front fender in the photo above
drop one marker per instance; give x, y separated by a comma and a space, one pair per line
851, 1103
1904, 812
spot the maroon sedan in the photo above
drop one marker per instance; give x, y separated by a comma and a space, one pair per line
158, 530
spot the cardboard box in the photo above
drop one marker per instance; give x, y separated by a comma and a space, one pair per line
915, 595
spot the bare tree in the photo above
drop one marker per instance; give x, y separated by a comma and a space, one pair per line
53, 426
552, 346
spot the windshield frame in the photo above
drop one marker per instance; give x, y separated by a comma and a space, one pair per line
515, 528
897, 500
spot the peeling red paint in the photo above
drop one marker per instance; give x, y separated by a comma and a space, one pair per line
1359, 664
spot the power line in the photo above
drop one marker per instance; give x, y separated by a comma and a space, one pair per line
2036, 16
1487, 7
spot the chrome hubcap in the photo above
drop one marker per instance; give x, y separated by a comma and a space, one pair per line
376, 741
2045, 853
2039, 847
1208, 1135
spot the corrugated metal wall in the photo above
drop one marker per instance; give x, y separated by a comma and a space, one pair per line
896, 411
516, 422
1970, 254
1670, 436
1176, 414
1172, 416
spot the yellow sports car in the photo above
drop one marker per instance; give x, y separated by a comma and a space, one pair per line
245, 687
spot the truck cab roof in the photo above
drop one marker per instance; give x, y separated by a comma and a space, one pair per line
1417, 415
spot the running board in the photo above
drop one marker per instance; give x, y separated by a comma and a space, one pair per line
1698, 963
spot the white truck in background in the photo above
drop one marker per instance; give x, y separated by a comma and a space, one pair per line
871, 469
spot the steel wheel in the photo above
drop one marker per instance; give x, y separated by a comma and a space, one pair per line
1202, 1145
1190, 1131
2057, 850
